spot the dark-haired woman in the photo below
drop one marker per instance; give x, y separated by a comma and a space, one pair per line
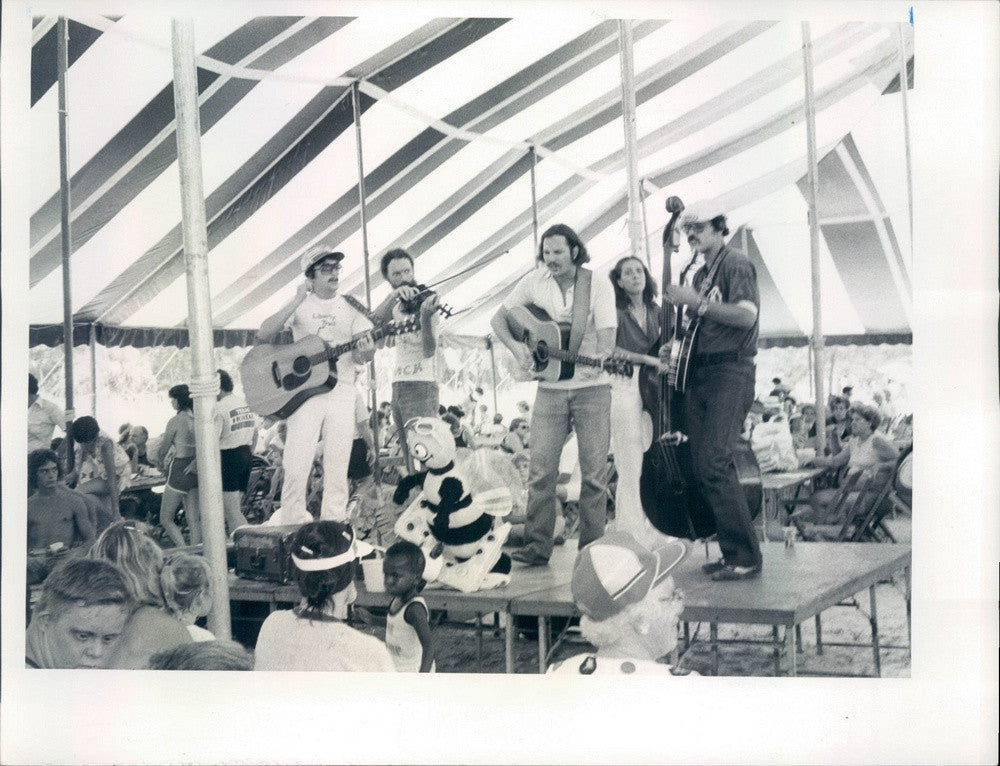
101, 469
181, 469
315, 635
637, 340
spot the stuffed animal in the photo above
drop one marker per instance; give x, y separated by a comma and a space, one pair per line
457, 517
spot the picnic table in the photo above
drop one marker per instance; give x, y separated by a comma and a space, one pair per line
776, 487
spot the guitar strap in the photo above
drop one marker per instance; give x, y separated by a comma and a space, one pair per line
361, 308
581, 308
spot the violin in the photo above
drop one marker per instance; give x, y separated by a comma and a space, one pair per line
412, 306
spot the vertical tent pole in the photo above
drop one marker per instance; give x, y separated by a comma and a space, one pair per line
62, 58
904, 86
813, 176
493, 370
92, 342
363, 211
645, 224
204, 378
635, 227
534, 197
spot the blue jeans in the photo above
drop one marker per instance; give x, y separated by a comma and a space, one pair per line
715, 404
412, 399
588, 412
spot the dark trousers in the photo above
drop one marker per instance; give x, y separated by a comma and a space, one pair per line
717, 400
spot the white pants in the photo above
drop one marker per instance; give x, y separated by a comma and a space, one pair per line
627, 446
333, 414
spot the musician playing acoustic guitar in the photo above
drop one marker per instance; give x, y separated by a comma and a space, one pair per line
317, 309
720, 386
582, 402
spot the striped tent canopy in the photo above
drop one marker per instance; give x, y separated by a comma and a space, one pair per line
462, 121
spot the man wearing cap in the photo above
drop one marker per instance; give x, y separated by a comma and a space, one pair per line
317, 309
724, 299
414, 382
629, 605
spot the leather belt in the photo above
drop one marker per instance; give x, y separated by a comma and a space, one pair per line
706, 360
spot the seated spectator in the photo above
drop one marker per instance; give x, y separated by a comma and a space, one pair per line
315, 635
516, 439
58, 518
137, 448
150, 628
806, 436
186, 582
460, 430
629, 605
80, 616
838, 424
205, 655
101, 468
865, 451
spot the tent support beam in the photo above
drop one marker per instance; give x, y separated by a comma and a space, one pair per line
636, 233
493, 370
204, 379
62, 63
363, 212
813, 177
904, 87
534, 194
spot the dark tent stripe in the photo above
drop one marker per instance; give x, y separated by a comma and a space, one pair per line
775, 316
44, 64
136, 136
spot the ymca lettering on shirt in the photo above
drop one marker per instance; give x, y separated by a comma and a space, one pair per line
410, 362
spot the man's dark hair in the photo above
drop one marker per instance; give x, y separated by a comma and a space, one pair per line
83, 582
572, 239
225, 381
85, 429
36, 459
392, 255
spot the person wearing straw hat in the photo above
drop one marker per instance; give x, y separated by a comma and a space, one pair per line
724, 299
629, 605
315, 634
318, 309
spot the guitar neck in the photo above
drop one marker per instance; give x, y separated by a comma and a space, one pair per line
378, 333
566, 356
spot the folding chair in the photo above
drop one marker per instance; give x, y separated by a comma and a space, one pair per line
861, 505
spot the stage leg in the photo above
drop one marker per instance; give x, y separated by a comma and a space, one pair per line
790, 649
798, 638
777, 650
479, 641
508, 641
543, 642
874, 621
687, 635
713, 638
819, 634
906, 594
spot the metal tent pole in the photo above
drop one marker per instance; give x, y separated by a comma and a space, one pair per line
904, 86
363, 211
534, 194
813, 177
493, 370
62, 59
204, 378
635, 227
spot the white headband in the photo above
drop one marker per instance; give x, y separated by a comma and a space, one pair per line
358, 549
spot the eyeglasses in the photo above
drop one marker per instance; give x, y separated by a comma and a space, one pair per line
696, 228
328, 268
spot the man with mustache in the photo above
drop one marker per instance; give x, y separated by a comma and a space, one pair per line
720, 388
317, 309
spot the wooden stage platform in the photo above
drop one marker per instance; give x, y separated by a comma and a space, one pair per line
797, 583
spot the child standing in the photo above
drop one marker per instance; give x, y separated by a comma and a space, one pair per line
187, 589
407, 630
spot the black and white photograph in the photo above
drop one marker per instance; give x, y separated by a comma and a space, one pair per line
429, 354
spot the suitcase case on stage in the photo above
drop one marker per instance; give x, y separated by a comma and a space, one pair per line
265, 553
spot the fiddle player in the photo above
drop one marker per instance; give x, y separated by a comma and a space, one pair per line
317, 309
414, 382
582, 402
720, 385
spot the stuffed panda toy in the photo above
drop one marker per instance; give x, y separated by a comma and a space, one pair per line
457, 517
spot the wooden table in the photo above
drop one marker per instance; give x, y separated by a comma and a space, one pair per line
524, 580
796, 583
774, 484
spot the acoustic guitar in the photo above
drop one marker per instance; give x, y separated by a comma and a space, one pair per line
548, 341
278, 378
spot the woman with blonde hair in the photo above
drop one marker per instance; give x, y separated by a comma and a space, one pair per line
150, 627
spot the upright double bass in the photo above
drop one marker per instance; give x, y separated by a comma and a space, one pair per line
667, 487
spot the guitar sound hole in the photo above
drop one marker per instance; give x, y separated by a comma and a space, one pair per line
541, 352
301, 365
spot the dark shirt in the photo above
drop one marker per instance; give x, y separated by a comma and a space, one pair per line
735, 281
639, 340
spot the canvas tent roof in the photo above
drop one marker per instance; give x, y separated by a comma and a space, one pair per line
450, 111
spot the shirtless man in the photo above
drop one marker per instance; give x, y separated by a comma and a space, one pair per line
58, 517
